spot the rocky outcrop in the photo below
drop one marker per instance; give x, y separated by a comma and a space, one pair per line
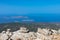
24, 34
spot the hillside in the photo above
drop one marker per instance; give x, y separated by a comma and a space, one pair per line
30, 26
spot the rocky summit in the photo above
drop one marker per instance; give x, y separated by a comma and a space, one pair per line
24, 34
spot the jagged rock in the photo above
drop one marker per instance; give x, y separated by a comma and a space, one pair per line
23, 34
23, 30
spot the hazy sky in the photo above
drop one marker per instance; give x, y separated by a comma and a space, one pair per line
29, 6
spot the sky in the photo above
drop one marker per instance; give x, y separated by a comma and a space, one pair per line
16, 7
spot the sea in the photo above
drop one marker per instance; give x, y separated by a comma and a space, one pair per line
30, 17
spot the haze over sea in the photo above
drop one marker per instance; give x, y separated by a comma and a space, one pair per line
29, 11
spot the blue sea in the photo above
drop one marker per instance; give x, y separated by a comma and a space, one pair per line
33, 17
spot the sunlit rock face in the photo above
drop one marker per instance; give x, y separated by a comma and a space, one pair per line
59, 31
23, 34
3, 36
